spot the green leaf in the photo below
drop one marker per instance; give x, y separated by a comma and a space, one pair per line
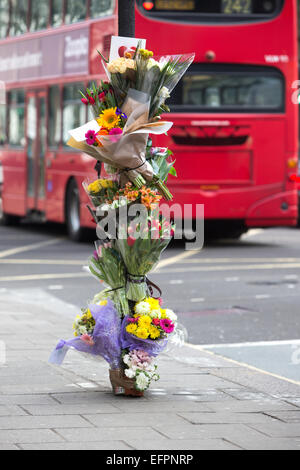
173, 171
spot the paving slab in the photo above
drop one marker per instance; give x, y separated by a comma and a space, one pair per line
201, 402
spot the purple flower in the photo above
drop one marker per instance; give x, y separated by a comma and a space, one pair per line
119, 113
90, 137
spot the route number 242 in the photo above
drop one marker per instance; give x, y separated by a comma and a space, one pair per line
236, 6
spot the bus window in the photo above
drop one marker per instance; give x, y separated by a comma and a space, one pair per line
18, 20
54, 118
2, 123
56, 12
75, 11
232, 89
16, 118
101, 7
4, 18
74, 112
39, 15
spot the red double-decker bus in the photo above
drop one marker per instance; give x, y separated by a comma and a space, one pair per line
235, 121
235, 131
48, 52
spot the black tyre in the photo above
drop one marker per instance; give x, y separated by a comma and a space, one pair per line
8, 219
75, 231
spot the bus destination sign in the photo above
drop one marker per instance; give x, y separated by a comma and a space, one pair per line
240, 7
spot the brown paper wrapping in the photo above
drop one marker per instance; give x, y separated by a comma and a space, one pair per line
129, 153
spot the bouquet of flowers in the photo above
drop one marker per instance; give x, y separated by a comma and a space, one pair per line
125, 324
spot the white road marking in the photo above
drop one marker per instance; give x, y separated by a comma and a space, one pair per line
196, 300
243, 364
262, 296
252, 344
58, 262
58, 287
175, 281
176, 259
252, 267
239, 260
42, 277
232, 279
33, 246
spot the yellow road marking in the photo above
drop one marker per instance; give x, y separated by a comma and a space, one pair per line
243, 364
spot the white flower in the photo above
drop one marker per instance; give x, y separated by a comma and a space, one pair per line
171, 315
142, 308
126, 359
164, 93
82, 330
152, 63
130, 373
155, 313
142, 381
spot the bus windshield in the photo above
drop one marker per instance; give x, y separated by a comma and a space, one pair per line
229, 88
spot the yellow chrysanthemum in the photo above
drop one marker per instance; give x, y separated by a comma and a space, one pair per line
154, 303
163, 313
154, 332
88, 314
142, 333
103, 303
131, 328
108, 118
145, 321
95, 187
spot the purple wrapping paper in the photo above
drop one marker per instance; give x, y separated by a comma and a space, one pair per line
106, 337
152, 347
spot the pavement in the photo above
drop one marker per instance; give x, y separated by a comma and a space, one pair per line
203, 400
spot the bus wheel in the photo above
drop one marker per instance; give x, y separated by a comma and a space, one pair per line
75, 231
8, 219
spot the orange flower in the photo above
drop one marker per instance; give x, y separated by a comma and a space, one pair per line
102, 131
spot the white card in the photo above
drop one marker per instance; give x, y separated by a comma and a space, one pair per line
79, 133
119, 45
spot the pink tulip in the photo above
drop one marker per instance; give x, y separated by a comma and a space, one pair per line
131, 241
87, 339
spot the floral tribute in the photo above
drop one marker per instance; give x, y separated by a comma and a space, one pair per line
125, 323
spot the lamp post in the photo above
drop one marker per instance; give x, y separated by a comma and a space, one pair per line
127, 18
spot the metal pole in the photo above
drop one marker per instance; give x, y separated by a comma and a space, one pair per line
127, 18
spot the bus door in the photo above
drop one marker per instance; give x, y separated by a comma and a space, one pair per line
36, 133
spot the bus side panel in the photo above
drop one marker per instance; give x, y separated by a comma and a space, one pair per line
15, 182
66, 166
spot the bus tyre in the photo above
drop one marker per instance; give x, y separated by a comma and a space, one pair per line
8, 219
75, 231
